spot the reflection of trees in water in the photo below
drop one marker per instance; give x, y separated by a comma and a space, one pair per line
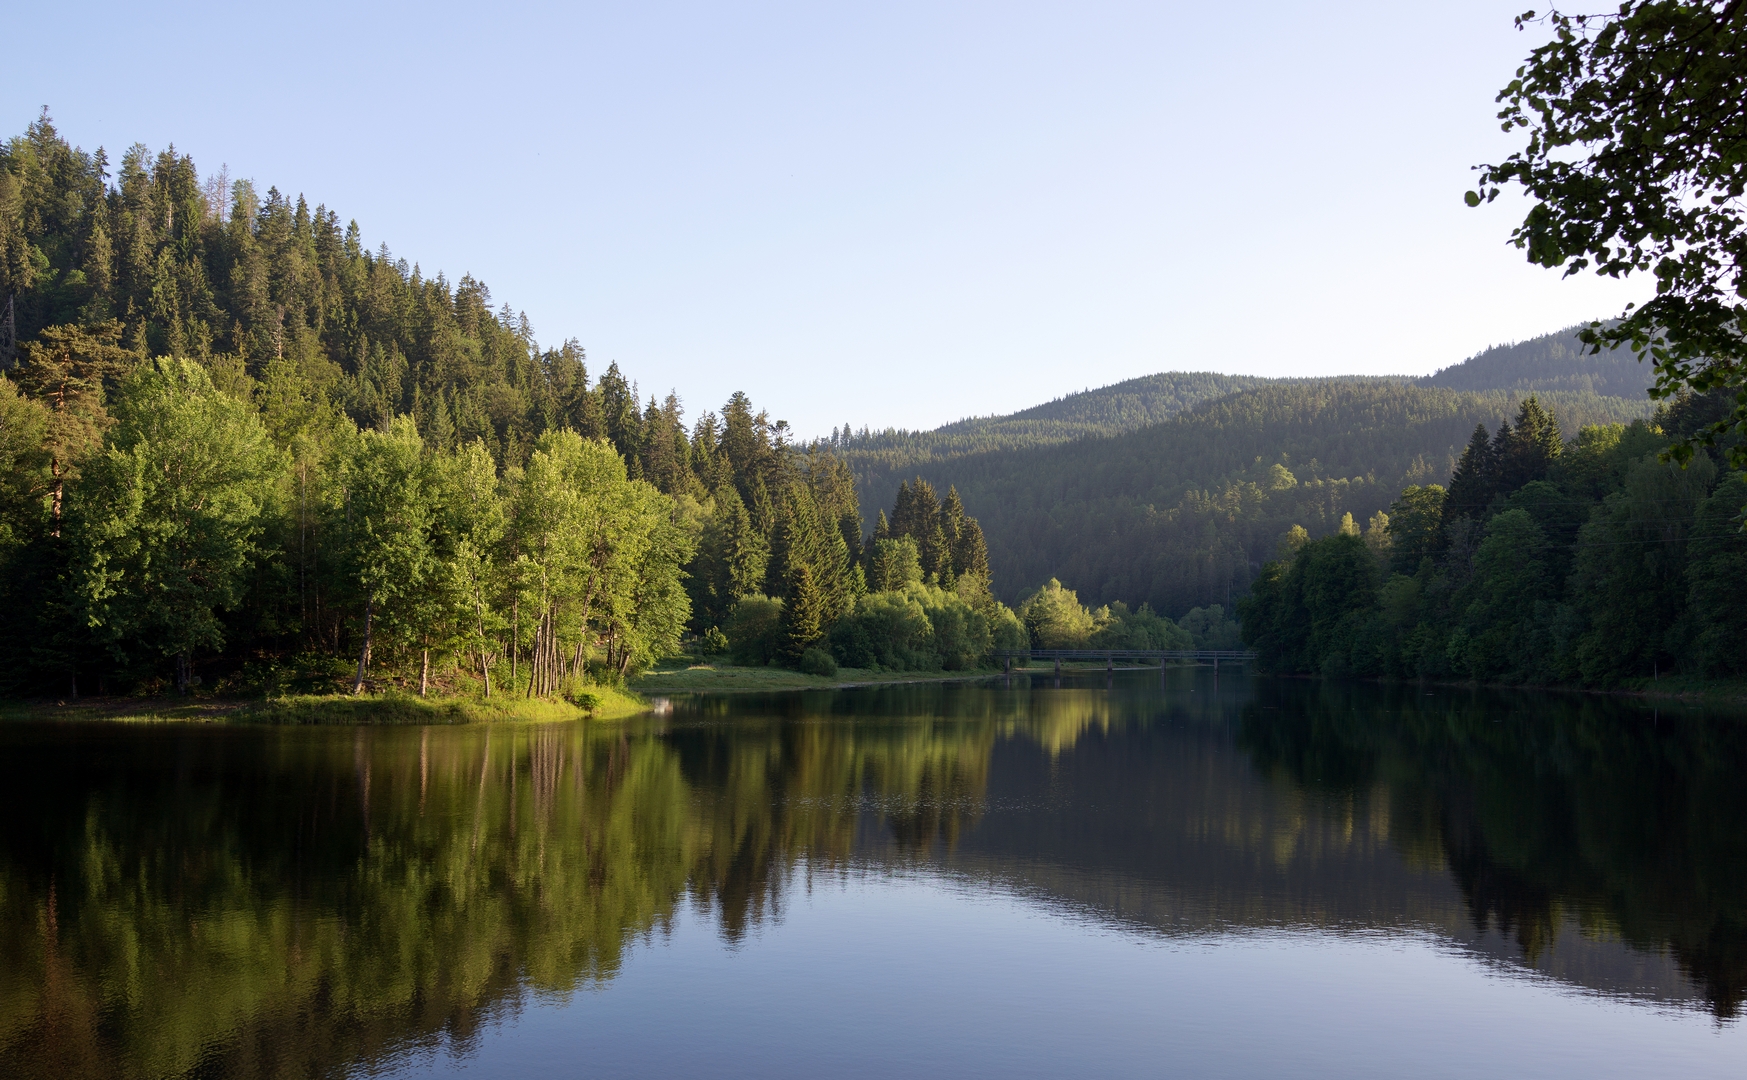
1547, 810
289, 901
278, 902
282, 903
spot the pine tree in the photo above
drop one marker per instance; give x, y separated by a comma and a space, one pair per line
917, 515
1527, 453
970, 556
1474, 481
804, 619
65, 369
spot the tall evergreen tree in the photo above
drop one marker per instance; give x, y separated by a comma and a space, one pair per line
1474, 481
806, 615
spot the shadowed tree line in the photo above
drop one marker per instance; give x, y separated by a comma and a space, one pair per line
1592, 561
1548, 813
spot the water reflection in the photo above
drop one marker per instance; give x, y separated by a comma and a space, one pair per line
263, 902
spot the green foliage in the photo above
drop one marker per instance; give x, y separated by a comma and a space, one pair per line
893, 564
754, 629
732, 558
1183, 513
167, 519
818, 662
1055, 618
463, 504
1209, 628
805, 617
1116, 627
922, 627
1630, 171
1551, 362
1716, 568
1309, 615
713, 642
1614, 566
1415, 524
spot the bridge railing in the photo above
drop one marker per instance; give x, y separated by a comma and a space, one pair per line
1110, 656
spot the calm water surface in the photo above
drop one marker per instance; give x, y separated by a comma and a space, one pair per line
1110, 877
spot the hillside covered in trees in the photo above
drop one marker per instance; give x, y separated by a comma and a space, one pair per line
238, 444
1589, 560
1183, 513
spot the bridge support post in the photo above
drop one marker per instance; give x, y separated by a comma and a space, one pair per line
1007, 665
1058, 667
1109, 664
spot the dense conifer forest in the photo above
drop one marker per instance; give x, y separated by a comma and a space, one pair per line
1591, 560
241, 446
1184, 513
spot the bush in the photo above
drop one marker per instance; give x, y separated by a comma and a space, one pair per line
755, 630
818, 662
713, 643
923, 628
886, 630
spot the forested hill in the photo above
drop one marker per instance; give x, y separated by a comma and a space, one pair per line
883, 459
1184, 513
1550, 362
238, 445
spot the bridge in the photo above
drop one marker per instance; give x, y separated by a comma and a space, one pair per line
1149, 656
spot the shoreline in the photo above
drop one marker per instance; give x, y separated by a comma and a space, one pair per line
390, 709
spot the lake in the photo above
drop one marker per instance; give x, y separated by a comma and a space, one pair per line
1101, 876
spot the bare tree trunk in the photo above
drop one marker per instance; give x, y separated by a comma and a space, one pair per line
364, 653
425, 674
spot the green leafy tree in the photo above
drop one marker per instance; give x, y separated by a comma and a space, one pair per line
169, 516
1055, 618
472, 520
1717, 567
380, 524
1632, 163
1628, 580
1507, 597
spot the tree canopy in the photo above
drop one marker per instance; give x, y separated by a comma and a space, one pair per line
1635, 139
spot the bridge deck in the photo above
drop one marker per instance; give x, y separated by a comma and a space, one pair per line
1237, 655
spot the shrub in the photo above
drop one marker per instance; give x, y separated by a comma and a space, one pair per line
755, 630
713, 643
818, 662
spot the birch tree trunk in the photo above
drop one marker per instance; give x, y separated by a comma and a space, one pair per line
364, 653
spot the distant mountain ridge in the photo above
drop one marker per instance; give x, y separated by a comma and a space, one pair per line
1172, 489
1556, 361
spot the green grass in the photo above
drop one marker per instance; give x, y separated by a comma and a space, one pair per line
387, 708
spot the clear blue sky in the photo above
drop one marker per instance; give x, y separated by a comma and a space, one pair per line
886, 214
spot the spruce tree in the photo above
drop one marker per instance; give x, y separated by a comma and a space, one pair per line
1474, 481
1528, 452
804, 618
971, 554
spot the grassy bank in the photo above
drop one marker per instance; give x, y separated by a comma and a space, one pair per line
388, 708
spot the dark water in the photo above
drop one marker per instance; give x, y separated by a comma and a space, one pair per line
1255, 879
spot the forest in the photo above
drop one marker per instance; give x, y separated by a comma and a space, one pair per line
240, 450
243, 451
1594, 560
